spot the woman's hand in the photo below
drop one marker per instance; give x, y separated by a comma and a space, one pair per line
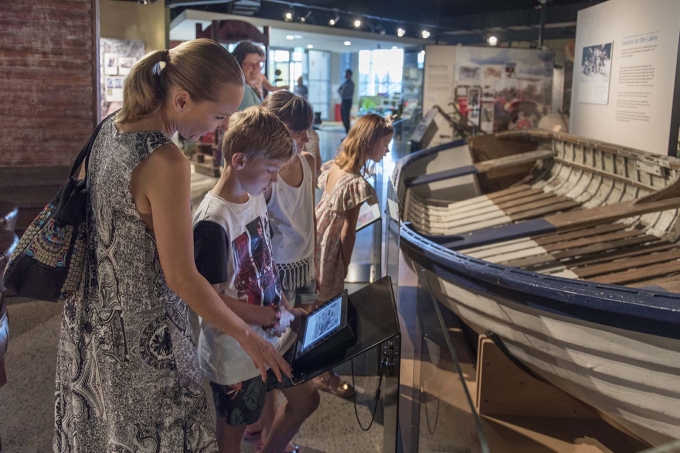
263, 354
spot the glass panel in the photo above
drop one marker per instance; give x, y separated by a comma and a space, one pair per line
448, 421
319, 81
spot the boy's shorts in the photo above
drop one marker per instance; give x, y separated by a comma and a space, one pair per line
303, 295
241, 404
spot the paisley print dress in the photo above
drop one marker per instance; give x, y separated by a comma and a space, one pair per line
127, 372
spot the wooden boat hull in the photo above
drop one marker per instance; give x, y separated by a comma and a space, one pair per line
615, 348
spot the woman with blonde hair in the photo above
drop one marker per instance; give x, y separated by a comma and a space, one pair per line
127, 373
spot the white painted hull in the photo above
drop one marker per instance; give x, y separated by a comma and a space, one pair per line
631, 377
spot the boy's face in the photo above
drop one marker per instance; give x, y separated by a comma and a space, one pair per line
256, 176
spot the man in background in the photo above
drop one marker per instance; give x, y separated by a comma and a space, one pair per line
346, 91
301, 89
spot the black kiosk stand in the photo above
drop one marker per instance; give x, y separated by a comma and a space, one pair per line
372, 319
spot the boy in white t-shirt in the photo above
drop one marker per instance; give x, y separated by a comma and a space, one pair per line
233, 252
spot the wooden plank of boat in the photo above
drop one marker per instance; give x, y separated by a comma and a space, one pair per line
585, 232
569, 244
563, 221
480, 167
629, 263
608, 256
632, 275
601, 247
661, 282
509, 254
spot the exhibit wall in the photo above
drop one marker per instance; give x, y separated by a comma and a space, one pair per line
48, 100
117, 56
489, 88
625, 74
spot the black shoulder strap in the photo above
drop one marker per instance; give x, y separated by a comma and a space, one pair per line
85, 152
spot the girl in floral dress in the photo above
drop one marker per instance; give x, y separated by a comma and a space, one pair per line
345, 190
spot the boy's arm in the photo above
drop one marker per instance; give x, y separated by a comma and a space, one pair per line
251, 314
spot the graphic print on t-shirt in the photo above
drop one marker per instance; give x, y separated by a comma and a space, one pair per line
255, 277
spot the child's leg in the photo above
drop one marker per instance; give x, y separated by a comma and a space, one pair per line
268, 412
302, 401
233, 412
228, 437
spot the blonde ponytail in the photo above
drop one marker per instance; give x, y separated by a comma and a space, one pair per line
201, 67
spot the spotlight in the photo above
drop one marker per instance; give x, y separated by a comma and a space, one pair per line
305, 17
401, 32
426, 34
357, 23
288, 16
492, 40
334, 20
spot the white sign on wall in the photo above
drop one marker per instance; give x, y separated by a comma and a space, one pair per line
624, 75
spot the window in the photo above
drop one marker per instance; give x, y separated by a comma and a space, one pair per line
380, 72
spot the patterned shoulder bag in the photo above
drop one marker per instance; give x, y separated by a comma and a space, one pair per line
48, 263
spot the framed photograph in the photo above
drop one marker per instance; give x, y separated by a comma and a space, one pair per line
110, 64
125, 64
114, 89
469, 72
596, 65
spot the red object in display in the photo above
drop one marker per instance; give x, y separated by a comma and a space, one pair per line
338, 114
209, 137
463, 105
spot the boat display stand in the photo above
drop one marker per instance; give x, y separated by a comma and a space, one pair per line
506, 388
467, 395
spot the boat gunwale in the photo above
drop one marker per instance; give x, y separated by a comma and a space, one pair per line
654, 312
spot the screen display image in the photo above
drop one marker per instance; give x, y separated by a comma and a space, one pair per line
322, 322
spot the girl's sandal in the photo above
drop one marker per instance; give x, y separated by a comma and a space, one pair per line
343, 389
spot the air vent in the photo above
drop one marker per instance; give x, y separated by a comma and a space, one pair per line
245, 7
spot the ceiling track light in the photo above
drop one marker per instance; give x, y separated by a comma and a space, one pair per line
357, 23
306, 16
334, 20
401, 32
288, 16
425, 34
492, 40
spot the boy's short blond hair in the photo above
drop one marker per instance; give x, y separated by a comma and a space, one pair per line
257, 133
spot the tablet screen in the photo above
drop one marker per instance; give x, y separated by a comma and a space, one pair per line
323, 322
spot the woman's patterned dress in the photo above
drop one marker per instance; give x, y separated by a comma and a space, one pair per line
127, 373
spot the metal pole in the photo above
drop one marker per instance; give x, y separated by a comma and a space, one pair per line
542, 29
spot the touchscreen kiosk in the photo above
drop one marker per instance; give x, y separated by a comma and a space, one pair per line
324, 328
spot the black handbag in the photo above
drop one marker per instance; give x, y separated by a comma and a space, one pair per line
48, 262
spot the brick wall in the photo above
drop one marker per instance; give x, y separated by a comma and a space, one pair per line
48, 84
